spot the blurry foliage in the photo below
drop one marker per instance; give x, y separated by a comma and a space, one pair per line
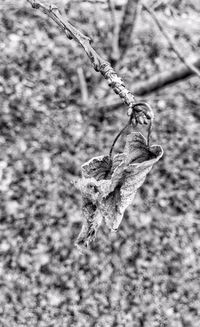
146, 274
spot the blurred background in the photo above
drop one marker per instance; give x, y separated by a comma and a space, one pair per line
56, 113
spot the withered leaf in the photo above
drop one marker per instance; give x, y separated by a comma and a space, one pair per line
109, 186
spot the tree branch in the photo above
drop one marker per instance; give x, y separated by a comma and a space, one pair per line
157, 82
128, 24
171, 42
83, 85
99, 64
115, 29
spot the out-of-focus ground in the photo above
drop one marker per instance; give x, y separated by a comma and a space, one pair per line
146, 274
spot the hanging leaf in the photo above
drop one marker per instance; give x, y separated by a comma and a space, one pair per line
109, 186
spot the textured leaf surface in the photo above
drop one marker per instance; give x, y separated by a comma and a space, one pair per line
109, 186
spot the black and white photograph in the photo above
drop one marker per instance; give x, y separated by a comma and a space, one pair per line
99, 163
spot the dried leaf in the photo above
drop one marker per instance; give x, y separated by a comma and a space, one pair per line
92, 220
109, 186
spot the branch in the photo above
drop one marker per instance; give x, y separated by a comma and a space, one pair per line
83, 85
171, 42
157, 82
99, 64
115, 27
128, 24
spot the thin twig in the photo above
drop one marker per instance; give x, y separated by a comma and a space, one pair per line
115, 27
99, 64
170, 41
131, 13
116, 138
83, 85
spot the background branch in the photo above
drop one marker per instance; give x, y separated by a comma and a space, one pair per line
127, 26
83, 85
115, 27
170, 41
